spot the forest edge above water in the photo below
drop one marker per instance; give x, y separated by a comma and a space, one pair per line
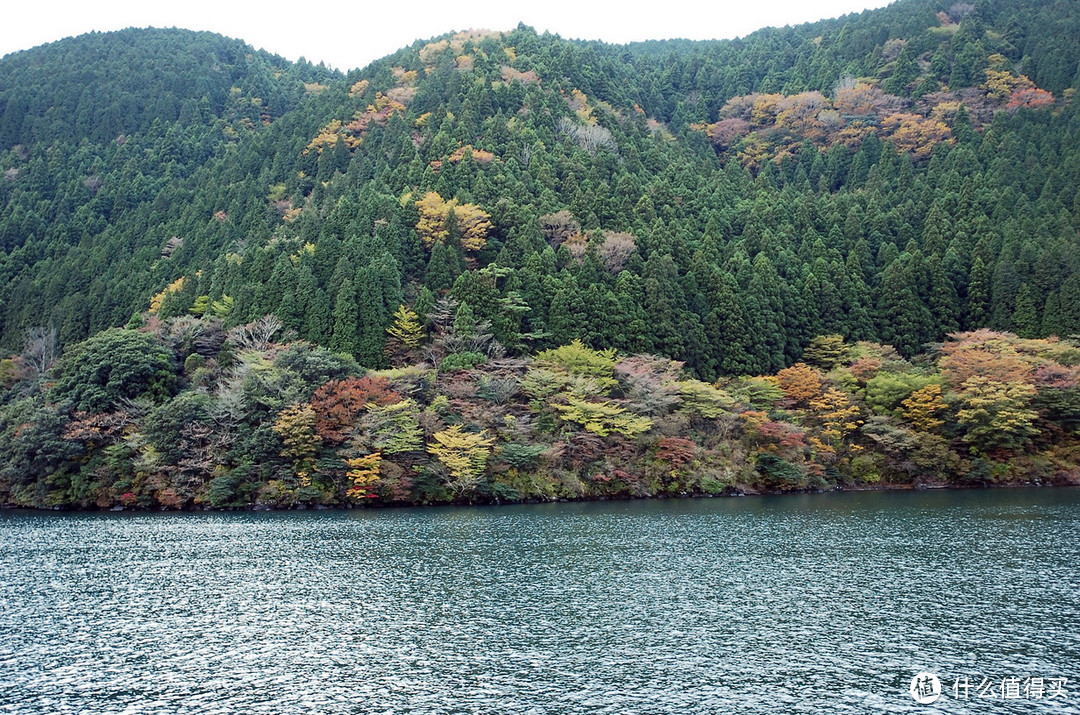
262, 424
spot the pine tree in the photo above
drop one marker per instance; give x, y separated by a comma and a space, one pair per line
944, 304
444, 266
904, 72
564, 320
1004, 290
346, 320
1052, 322
903, 319
977, 311
1070, 305
372, 313
1025, 317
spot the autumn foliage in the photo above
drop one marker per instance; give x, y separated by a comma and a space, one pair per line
339, 403
923, 407
364, 475
577, 422
463, 454
986, 354
800, 383
760, 126
572, 249
675, 451
442, 220
295, 425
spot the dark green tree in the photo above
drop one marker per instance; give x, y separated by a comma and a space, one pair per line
114, 365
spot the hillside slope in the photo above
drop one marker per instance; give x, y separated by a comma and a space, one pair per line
831, 166
104, 139
486, 216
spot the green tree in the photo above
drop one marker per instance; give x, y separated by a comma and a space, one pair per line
977, 310
111, 366
345, 335
905, 321
1025, 318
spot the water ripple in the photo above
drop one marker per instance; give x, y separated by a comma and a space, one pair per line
797, 604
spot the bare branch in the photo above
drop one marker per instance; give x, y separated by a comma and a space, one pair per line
40, 348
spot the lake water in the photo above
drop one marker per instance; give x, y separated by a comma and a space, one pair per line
815, 603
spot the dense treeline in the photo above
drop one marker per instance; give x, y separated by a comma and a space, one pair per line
99, 86
183, 413
892, 177
105, 139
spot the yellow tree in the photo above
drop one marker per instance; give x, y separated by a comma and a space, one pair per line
863, 100
464, 454
922, 408
406, 333
474, 224
799, 114
432, 226
577, 359
439, 216
996, 414
916, 134
364, 473
764, 108
1000, 81
838, 414
701, 398
602, 418
406, 327
174, 287
800, 382
295, 426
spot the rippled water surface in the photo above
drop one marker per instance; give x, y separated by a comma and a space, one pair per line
817, 603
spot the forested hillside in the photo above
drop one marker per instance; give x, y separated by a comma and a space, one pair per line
886, 179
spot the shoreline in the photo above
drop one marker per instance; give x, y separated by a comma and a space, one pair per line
1057, 484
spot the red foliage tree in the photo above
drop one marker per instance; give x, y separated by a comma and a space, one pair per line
1030, 98
987, 354
96, 429
727, 131
675, 451
339, 403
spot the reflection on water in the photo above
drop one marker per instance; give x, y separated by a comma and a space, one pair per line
814, 603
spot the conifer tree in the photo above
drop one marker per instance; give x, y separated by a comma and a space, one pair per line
344, 337
406, 328
1025, 317
977, 313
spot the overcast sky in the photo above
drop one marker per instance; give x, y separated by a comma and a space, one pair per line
347, 35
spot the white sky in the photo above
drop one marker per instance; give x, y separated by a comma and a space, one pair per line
347, 35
